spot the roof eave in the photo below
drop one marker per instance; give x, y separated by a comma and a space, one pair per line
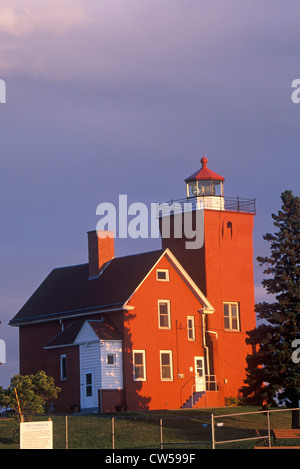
68, 314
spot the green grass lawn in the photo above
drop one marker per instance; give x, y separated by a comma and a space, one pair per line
181, 429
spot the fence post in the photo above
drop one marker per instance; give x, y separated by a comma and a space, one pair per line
67, 437
269, 429
113, 432
213, 432
161, 434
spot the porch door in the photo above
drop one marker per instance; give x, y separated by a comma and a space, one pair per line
199, 374
88, 389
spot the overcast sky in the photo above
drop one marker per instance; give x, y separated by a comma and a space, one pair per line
109, 97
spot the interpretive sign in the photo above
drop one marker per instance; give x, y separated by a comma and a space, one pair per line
36, 435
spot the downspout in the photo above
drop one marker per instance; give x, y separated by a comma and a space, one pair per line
204, 343
213, 332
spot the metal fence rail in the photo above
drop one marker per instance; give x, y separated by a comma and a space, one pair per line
164, 430
266, 414
166, 427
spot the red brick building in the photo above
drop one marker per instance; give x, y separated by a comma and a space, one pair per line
162, 329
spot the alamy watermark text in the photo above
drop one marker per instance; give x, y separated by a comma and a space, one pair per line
296, 93
2, 92
165, 220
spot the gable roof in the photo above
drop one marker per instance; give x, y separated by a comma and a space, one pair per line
67, 291
207, 308
103, 329
67, 336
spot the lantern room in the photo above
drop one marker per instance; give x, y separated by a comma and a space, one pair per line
207, 187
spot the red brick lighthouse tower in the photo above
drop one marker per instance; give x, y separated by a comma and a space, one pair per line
223, 269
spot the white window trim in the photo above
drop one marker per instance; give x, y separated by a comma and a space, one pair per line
230, 316
170, 353
115, 359
61, 358
169, 314
143, 352
191, 339
167, 279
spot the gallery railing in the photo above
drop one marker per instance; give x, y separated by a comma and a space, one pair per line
234, 204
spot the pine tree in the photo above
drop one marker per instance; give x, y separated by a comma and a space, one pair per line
273, 370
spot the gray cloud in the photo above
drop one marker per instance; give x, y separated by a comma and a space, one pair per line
106, 97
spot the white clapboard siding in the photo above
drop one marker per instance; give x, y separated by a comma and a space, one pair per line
86, 334
93, 359
90, 362
112, 375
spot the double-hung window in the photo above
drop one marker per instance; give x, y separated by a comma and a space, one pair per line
139, 365
63, 367
166, 365
231, 316
164, 316
191, 327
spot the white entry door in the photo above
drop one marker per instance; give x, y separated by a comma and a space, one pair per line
199, 374
88, 390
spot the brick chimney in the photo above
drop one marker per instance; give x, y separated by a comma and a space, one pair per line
101, 250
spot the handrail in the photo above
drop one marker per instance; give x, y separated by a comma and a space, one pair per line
181, 389
235, 204
210, 385
192, 393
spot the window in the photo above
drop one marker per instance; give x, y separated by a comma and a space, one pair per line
110, 359
231, 316
63, 367
88, 384
139, 365
191, 327
162, 275
166, 366
164, 314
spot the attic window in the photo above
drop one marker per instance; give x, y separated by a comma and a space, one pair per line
162, 275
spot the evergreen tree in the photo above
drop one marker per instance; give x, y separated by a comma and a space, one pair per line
273, 370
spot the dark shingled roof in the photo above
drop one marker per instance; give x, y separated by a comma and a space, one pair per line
104, 330
68, 290
67, 336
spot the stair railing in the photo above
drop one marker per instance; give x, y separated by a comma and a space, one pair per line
210, 385
182, 400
